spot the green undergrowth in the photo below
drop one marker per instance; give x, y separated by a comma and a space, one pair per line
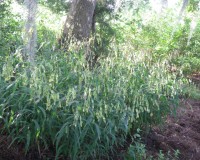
62, 105
191, 91
83, 113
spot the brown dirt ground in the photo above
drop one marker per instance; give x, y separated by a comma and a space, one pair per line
179, 133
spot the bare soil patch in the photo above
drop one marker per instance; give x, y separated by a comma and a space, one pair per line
180, 132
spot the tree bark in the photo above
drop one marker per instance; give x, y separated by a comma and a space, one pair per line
79, 21
164, 4
30, 35
185, 3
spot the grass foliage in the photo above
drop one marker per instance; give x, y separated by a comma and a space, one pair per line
63, 105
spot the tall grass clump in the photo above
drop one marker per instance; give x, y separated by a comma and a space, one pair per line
82, 113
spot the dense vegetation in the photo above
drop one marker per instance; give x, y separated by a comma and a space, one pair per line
64, 105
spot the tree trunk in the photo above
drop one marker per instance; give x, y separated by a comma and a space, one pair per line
164, 4
185, 3
79, 21
30, 35
180, 15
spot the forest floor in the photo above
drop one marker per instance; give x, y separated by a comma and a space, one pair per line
180, 132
